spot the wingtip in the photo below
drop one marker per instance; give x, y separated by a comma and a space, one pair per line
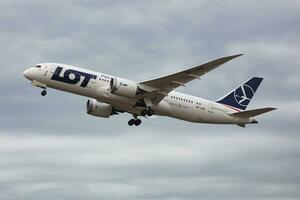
238, 55
271, 109
232, 57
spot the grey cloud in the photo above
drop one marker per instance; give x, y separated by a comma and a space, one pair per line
135, 166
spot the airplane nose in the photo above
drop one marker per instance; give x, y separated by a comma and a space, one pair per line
26, 74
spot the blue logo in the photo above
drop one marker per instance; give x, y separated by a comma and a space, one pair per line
243, 95
72, 76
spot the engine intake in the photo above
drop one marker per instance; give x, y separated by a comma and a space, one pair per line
98, 109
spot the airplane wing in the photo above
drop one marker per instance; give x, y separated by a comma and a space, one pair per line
166, 84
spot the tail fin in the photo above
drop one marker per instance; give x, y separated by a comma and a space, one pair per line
241, 96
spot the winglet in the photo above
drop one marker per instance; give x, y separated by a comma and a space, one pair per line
232, 57
237, 55
225, 59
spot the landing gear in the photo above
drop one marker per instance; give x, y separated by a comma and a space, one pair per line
148, 112
134, 121
131, 122
144, 113
137, 122
44, 92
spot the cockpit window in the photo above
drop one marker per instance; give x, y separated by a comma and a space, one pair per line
38, 66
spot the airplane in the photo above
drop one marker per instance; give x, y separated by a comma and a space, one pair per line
111, 95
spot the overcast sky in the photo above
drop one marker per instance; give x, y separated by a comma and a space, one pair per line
51, 149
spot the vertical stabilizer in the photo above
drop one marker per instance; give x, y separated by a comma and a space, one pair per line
241, 96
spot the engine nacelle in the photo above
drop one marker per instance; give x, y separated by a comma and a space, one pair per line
98, 109
123, 87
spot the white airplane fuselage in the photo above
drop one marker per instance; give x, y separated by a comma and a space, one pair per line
175, 104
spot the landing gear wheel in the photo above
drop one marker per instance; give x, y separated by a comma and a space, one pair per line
44, 93
150, 112
131, 122
144, 113
137, 122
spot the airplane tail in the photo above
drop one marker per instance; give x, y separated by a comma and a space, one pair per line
241, 96
252, 113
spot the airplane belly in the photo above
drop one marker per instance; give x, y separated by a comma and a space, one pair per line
163, 108
184, 112
122, 103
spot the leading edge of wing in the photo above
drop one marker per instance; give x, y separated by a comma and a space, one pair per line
191, 73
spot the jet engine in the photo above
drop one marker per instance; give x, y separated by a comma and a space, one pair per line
123, 87
98, 109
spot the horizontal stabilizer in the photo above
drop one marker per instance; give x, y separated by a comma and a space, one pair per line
252, 113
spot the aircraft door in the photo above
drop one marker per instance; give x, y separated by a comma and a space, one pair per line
45, 73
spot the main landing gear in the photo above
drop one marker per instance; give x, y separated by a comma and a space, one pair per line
135, 121
148, 112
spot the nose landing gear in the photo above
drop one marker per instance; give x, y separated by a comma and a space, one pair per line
40, 85
44, 92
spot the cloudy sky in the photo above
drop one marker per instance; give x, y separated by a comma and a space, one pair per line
51, 149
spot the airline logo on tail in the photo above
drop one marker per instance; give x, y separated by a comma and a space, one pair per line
241, 96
